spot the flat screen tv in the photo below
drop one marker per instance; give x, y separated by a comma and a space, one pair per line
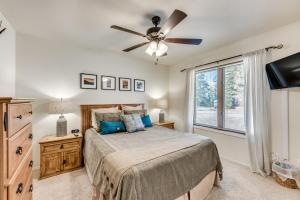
284, 73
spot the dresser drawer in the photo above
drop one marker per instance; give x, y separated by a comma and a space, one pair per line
28, 189
18, 187
19, 115
18, 146
48, 148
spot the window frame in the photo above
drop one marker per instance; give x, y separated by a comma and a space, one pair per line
220, 98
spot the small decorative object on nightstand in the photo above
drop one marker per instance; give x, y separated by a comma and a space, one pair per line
162, 104
60, 154
170, 125
60, 107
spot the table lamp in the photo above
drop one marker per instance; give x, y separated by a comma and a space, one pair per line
162, 104
60, 107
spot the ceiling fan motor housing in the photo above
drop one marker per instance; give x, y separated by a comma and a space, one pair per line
152, 32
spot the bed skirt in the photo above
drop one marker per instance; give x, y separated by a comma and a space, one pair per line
200, 192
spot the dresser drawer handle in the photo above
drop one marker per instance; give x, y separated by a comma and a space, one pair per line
31, 188
19, 116
30, 112
20, 188
30, 136
19, 150
31, 163
62, 146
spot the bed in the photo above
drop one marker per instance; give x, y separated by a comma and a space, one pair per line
155, 164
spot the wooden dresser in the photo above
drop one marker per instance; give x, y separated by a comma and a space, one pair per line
16, 149
60, 154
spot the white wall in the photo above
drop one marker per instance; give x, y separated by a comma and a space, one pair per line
47, 70
7, 59
235, 148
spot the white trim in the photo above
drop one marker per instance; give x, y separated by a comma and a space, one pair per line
232, 134
285, 123
235, 161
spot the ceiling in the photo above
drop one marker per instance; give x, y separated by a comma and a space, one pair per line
87, 22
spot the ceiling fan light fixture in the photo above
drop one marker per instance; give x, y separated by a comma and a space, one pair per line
152, 48
161, 49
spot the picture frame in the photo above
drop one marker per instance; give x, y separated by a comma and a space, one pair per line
124, 84
88, 81
139, 85
108, 82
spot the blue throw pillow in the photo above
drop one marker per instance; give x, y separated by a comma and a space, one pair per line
147, 121
112, 127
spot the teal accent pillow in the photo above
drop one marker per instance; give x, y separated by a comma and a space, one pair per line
147, 121
108, 127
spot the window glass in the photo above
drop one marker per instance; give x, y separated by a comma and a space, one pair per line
234, 97
206, 97
223, 86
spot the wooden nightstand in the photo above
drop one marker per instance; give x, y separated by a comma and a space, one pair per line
170, 125
60, 154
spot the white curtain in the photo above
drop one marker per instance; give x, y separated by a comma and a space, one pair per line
257, 110
189, 99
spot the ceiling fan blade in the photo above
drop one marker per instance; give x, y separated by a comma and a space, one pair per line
184, 41
135, 46
176, 17
2, 30
127, 30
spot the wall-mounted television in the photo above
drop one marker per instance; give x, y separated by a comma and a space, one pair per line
284, 73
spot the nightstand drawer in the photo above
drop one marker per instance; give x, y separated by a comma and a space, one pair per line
48, 148
170, 126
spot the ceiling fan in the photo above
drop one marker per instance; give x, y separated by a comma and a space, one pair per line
156, 35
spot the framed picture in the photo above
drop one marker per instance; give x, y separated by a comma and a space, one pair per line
108, 82
139, 85
124, 84
88, 81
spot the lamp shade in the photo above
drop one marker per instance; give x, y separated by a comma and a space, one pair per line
162, 103
60, 107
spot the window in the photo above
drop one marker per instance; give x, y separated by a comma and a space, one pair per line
219, 98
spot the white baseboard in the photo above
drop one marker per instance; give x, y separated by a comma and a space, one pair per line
235, 161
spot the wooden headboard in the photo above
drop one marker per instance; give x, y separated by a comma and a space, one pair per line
86, 110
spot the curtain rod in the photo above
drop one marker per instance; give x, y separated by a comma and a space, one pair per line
280, 46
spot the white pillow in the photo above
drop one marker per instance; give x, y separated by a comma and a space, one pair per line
102, 110
139, 107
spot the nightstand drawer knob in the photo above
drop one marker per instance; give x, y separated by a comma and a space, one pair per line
19, 151
20, 188
62, 146
30, 136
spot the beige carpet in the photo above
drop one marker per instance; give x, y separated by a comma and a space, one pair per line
238, 184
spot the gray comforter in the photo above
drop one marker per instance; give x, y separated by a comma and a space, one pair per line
156, 164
